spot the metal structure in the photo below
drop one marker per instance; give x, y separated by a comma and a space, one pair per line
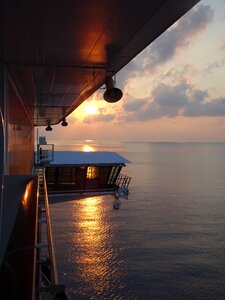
57, 54
47, 284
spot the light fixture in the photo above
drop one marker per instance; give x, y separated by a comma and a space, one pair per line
48, 128
116, 204
64, 123
112, 94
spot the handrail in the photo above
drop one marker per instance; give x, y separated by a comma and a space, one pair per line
53, 269
2, 145
35, 241
123, 181
48, 286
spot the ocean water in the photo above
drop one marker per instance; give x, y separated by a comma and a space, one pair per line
167, 241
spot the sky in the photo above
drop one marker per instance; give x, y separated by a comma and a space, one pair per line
174, 90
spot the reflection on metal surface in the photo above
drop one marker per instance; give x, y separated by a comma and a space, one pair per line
97, 261
87, 148
20, 132
26, 195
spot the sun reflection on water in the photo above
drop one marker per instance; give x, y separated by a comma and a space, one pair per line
97, 261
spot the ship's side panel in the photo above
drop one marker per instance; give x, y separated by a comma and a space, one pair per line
19, 134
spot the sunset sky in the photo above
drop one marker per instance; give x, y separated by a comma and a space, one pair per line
173, 91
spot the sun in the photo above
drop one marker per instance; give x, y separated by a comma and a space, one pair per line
87, 108
91, 109
88, 148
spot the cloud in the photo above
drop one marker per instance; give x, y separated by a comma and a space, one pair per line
214, 65
179, 36
171, 96
134, 105
166, 101
102, 110
198, 96
122, 76
172, 101
98, 118
215, 108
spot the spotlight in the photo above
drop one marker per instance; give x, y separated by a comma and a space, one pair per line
48, 128
64, 123
112, 94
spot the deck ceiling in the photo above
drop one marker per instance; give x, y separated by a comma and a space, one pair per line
57, 53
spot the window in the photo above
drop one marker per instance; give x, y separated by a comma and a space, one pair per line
113, 174
104, 174
66, 175
92, 172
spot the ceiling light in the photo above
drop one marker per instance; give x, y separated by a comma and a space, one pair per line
112, 94
64, 123
48, 128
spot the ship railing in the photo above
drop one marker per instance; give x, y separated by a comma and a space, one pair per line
121, 188
48, 286
123, 181
2, 139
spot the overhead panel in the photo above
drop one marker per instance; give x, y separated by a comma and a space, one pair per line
59, 52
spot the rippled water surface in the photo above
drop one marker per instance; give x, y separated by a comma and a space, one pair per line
166, 242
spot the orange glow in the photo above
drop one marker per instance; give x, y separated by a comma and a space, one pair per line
26, 195
87, 148
96, 257
92, 172
91, 109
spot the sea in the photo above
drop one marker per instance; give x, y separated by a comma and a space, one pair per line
167, 241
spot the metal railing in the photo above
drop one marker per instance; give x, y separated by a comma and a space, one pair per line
123, 181
2, 145
53, 269
48, 286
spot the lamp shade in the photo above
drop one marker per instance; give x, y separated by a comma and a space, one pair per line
112, 93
